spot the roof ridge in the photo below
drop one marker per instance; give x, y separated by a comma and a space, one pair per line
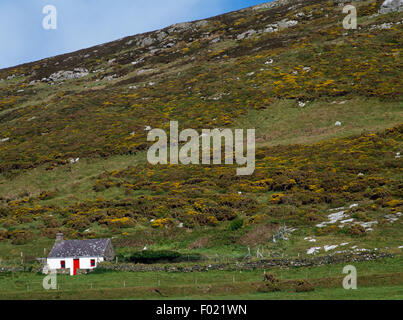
79, 248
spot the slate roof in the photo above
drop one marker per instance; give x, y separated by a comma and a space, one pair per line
79, 248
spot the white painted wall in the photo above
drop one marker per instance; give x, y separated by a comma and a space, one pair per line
85, 263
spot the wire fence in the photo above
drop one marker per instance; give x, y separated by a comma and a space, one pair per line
26, 282
92, 282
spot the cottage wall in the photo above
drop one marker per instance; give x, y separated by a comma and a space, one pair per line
85, 263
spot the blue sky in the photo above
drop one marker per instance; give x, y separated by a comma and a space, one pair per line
84, 23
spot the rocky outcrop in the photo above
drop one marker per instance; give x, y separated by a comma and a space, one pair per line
246, 34
272, 4
274, 27
67, 75
391, 6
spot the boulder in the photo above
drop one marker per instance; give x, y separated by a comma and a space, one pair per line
283, 24
201, 23
246, 34
148, 41
161, 35
272, 4
66, 75
391, 6
180, 27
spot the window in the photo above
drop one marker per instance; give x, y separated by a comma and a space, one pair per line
63, 264
92, 262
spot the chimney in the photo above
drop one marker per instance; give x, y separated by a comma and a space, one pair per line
59, 237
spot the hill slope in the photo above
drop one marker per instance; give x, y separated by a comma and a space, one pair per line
287, 68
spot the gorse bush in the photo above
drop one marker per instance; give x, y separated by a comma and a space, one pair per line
156, 256
304, 286
270, 283
149, 256
236, 224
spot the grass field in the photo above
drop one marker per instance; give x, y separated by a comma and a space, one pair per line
381, 279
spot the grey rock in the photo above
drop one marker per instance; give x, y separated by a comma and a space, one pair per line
283, 24
391, 6
161, 35
201, 23
272, 4
169, 45
246, 34
67, 75
271, 28
215, 40
148, 41
179, 27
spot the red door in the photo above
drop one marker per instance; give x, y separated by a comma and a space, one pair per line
76, 265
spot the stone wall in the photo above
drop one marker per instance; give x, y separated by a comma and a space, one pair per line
248, 265
242, 265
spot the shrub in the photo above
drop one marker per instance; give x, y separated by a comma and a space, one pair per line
19, 237
304, 286
78, 222
51, 222
357, 230
276, 198
236, 224
3, 234
225, 213
101, 270
150, 256
270, 283
160, 223
124, 222
9, 223
46, 195
212, 220
49, 232
359, 216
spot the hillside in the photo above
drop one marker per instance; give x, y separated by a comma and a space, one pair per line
73, 136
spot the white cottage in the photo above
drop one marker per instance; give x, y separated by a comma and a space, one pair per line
79, 254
